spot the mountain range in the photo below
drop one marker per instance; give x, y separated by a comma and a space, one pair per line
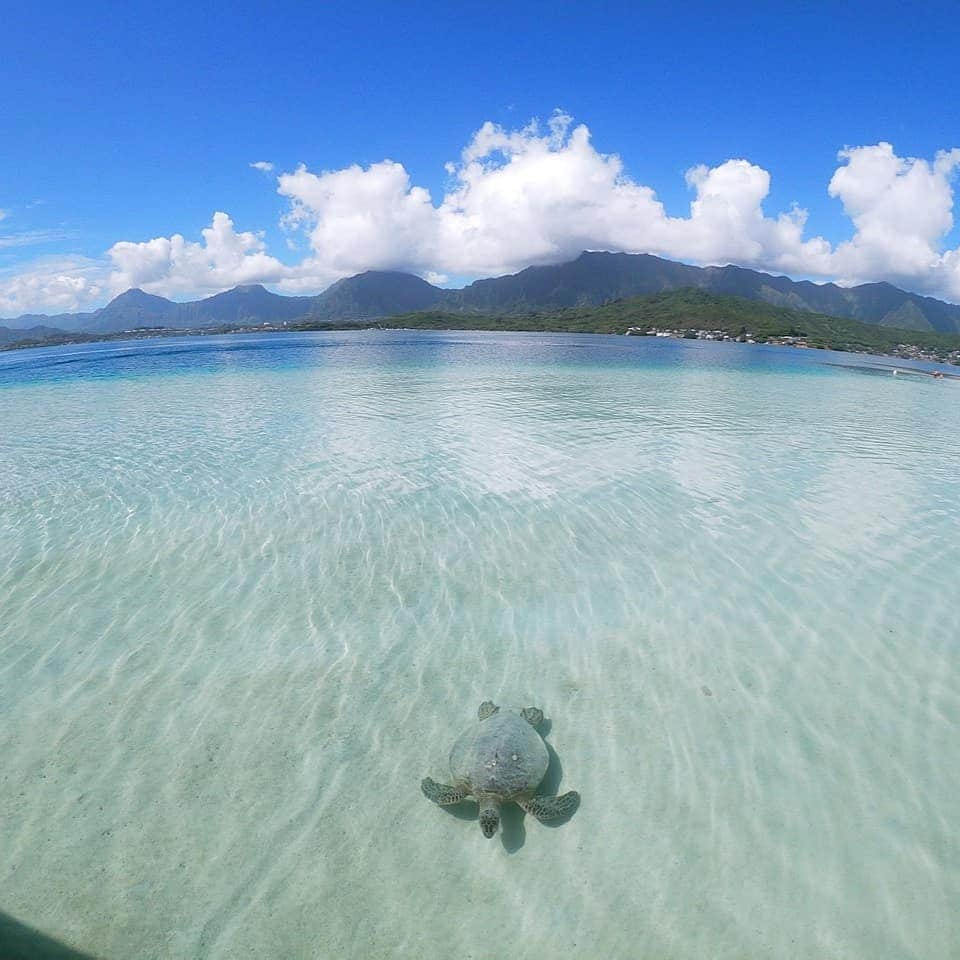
591, 279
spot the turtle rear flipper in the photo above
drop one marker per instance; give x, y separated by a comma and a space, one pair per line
532, 715
487, 709
549, 808
441, 793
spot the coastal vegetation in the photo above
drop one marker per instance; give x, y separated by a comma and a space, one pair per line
594, 279
693, 310
678, 310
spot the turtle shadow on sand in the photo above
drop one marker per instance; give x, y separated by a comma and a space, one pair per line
502, 771
20, 942
513, 829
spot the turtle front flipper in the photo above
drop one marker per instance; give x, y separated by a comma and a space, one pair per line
532, 715
440, 793
549, 808
487, 709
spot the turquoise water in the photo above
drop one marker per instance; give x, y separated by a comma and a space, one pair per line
252, 588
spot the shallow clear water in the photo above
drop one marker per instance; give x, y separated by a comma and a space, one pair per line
252, 588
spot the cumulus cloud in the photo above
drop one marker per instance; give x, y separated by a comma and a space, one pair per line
902, 208
541, 194
360, 219
536, 196
52, 285
174, 266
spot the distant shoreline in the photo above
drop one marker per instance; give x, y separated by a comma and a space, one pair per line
150, 333
682, 314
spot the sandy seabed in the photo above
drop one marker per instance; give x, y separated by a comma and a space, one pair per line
246, 608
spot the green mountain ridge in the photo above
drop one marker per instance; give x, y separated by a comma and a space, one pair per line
686, 310
592, 279
692, 309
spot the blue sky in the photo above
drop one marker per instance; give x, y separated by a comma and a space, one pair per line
137, 123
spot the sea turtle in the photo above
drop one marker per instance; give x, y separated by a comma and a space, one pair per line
501, 758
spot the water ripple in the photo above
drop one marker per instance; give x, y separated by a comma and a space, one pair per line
251, 591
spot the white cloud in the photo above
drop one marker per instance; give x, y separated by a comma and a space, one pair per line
52, 285
174, 266
31, 238
3, 214
902, 209
536, 196
541, 194
362, 219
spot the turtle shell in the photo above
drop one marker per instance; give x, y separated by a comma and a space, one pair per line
501, 756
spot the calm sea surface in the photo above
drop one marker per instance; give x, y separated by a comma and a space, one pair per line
252, 588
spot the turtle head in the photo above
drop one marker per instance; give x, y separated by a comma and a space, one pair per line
489, 816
